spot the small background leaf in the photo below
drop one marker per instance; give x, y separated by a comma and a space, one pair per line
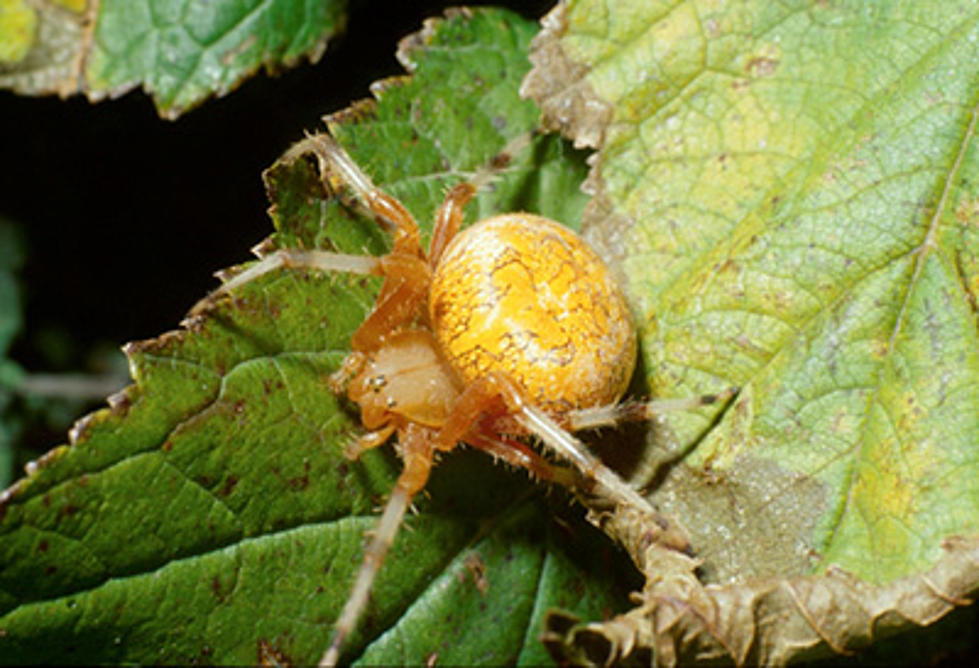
214, 487
179, 52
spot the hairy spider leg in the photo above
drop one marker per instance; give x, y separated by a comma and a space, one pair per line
497, 394
518, 455
636, 411
469, 421
332, 158
407, 276
416, 447
369, 441
448, 220
407, 239
291, 258
395, 266
402, 299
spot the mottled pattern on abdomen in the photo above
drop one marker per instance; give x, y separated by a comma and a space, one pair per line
522, 294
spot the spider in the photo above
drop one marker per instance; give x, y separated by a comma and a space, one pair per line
511, 328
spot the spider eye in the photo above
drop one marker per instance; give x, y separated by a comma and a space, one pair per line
378, 382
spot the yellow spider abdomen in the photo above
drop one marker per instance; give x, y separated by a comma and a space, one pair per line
524, 295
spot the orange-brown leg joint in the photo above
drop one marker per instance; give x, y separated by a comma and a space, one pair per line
402, 297
491, 395
448, 219
407, 238
417, 450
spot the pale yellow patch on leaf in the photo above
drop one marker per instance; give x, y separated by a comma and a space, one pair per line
18, 23
77, 6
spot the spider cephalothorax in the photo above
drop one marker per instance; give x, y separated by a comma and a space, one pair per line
513, 327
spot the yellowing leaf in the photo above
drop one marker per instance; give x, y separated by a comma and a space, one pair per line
790, 191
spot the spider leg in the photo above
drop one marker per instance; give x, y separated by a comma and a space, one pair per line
632, 411
350, 367
448, 219
404, 292
449, 216
519, 455
496, 394
333, 158
368, 441
597, 476
417, 454
293, 258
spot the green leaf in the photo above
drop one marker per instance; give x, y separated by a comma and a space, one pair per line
209, 515
791, 192
800, 191
179, 52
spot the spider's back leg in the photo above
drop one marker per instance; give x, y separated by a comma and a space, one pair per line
612, 415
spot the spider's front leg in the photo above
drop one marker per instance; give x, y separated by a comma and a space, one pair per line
449, 219
416, 445
402, 299
407, 238
290, 258
333, 159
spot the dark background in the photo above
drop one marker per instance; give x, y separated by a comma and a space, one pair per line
126, 216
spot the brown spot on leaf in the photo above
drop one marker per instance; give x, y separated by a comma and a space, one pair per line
500, 160
477, 570
216, 588
761, 66
229, 485
269, 655
298, 483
